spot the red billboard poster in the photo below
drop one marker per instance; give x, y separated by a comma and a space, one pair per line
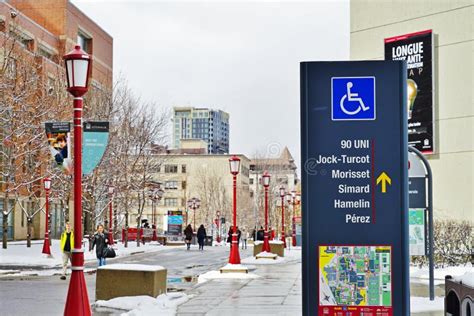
417, 50
355, 280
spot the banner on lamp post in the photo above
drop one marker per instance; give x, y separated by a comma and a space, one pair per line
58, 134
95, 139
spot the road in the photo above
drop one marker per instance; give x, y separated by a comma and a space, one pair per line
37, 295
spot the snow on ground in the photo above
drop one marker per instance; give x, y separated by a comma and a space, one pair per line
422, 275
17, 254
163, 305
423, 304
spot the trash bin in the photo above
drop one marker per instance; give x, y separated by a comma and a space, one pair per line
208, 241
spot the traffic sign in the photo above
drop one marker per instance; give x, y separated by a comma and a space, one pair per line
355, 188
353, 98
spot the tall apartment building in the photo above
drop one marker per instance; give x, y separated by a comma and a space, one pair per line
452, 24
45, 30
211, 126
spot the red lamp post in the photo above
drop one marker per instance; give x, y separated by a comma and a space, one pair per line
266, 184
282, 195
111, 196
46, 244
288, 200
194, 204
218, 216
155, 196
78, 69
293, 221
234, 257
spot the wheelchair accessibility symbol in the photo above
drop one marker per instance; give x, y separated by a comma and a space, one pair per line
353, 98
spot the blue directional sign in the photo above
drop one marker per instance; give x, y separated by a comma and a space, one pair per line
355, 188
353, 98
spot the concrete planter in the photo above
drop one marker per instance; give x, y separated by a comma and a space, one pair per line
276, 247
117, 280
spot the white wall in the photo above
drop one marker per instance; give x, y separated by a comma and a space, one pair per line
452, 24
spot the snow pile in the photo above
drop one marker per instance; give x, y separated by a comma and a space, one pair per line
423, 304
163, 305
269, 260
17, 254
467, 278
212, 275
439, 274
131, 267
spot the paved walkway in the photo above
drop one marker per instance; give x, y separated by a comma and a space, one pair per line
277, 292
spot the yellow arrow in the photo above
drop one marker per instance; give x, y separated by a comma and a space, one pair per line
384, 178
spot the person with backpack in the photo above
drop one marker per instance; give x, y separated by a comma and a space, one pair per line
100, 242
201, 236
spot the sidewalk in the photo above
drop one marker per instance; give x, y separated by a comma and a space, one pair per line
277, 292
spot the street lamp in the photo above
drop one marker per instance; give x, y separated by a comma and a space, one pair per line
155, 195
288, 200
282, 195
218, 215
293, 220
234, 163
78, 68
194, 204
111, 196
46, 244
266, 184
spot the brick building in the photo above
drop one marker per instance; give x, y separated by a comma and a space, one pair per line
44, 31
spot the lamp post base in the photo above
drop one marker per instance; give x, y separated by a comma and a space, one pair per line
283, 239
46, 247
77, 301
293, 240
266, 244
234, 257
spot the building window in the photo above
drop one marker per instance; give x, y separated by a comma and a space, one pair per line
45, 52
171, 202
171, 185
85, 42
251, 181
183, 185
24, 40
171, 168
183, 168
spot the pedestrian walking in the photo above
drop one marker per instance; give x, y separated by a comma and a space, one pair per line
239, 234
229, 236
100, 242
261, 234
245, 236
67, 245
188, 236
201, 236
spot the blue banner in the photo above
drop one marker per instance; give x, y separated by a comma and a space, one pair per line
95, 139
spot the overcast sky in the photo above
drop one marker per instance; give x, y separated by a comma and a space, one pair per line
242, 57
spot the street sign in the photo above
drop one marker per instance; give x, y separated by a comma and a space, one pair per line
417, 232
355, 188
417, 192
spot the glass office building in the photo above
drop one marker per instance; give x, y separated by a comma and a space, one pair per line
211, 126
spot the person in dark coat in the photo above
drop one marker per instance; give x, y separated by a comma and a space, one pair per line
229, 236
261, 234
239, 234
188, 233
201, 235
100, 242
